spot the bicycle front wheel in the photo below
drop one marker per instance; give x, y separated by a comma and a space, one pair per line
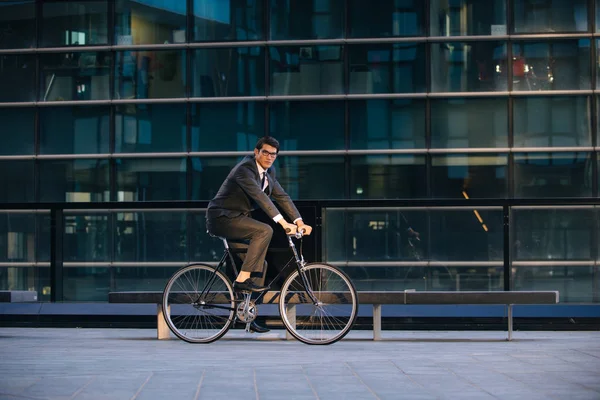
198, 304
319, 304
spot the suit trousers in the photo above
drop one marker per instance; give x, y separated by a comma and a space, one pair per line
243, 228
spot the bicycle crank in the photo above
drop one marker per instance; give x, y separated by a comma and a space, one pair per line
247, 311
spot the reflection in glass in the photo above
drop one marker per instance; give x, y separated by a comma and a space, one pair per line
468, 66
147, 74
17, 131
217, 20
469, 175
86, 238
468, 17
388, 177
74, 130
229, 72
307, 70
150, 128
17, 175
74, 23
553, 234
564, 174
75, 76
574, 283
323, 19
372, 235
227, 126
17, 238
17, 77
551, 65
387, 68
74, 180
150, 236
148, 22
552, 121
469, 235
311, 177
308, 125
203, 246
208, 173
550, 16
387, 124
469, 123
149, 179
386, 19
17, 24
81, 284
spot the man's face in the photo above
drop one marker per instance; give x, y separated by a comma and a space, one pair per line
265, 156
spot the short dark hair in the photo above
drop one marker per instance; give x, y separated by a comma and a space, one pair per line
270, 140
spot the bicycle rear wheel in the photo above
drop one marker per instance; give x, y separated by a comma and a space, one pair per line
198, 304
331, 317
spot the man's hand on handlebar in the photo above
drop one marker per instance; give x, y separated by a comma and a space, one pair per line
306, 229
290, 229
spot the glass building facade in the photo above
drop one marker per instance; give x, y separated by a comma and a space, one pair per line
475, 122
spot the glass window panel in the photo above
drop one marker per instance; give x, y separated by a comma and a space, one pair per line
17, 77
82, 284
74, 130
203, 247
150, 128
151, 236
74, 180
374, 235
559, 233
469, 123
86, 237
208, 173
561, 174
74, 23
387, 124
550, 16
17, 237
238, 71
227, 126
321, 19
468, 66
460, 235
298, 70
149, 22
16, 179
141, 278
217, 20
386, 19
468, 17
308, 125
469, 175
387, 68
551, 65
388, 177
311, 177
17, 24
574, 283
151, 179
75, 76
552, 121
43, 238
27, 278
17, 130
150, 74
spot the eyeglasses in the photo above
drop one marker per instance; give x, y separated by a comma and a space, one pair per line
268, 153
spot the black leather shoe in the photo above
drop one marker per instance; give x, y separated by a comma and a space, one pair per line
248, 286
254, 327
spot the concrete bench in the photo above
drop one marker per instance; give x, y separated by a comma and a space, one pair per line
377, 299
17, 296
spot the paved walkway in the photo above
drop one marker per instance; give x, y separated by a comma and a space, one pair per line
130, 364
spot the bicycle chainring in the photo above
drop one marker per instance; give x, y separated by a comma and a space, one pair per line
246, 315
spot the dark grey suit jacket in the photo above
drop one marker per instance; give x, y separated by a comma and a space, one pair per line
241, 193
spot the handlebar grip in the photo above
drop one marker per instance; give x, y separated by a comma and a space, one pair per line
287, 230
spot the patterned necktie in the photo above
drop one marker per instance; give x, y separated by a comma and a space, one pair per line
262, 182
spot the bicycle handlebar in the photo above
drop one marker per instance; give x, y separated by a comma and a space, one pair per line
299, 233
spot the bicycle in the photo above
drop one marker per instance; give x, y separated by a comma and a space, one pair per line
318, 303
